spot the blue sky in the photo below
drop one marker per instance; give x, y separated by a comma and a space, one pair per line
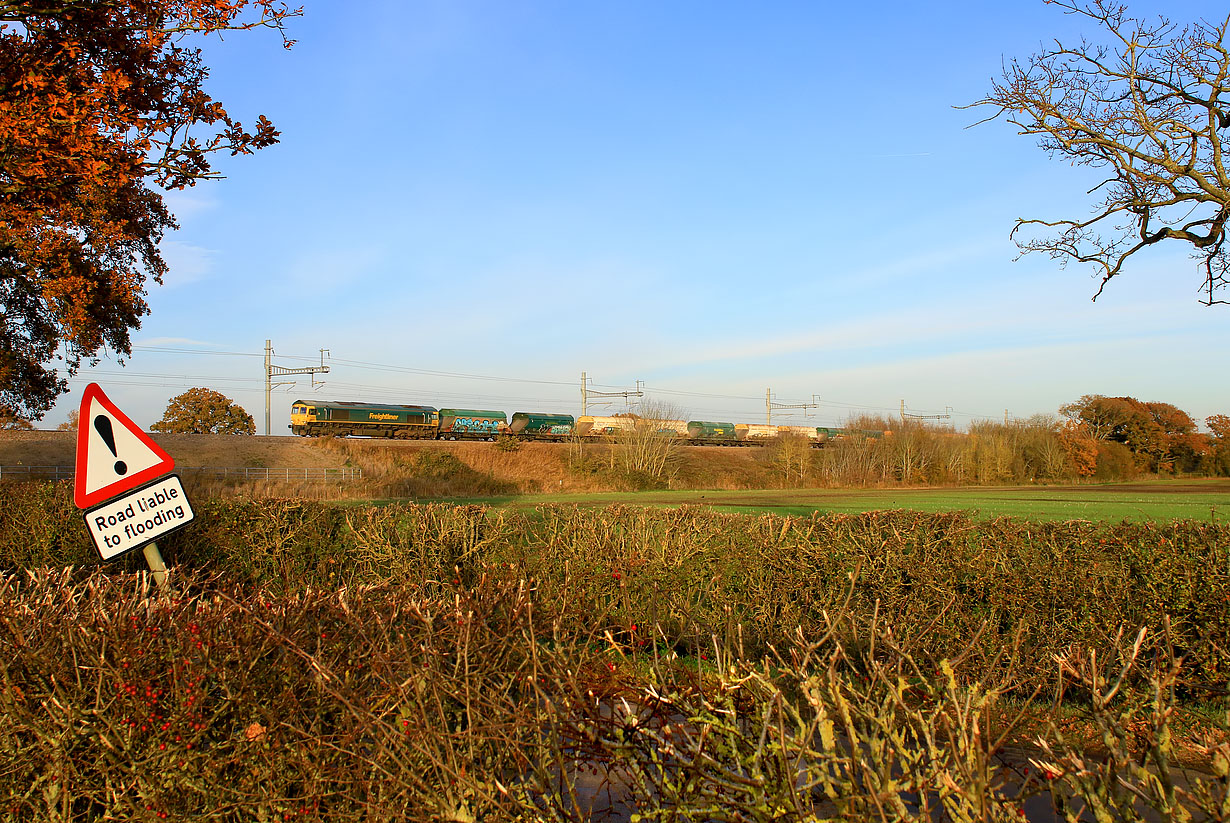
474, 202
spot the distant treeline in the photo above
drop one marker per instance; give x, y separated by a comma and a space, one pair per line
1105, 438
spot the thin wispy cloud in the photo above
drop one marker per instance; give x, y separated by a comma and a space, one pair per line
188, 204
317, 270
933, 263
186, 263
174, 341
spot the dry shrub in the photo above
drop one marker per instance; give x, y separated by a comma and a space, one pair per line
917, 453
854, 724
236, 703
41, 527
997, 584
487, 702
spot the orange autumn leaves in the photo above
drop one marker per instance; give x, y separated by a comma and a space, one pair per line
96, 102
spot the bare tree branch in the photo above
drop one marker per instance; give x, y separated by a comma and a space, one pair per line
1149, 108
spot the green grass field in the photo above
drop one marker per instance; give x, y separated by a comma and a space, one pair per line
1159, 500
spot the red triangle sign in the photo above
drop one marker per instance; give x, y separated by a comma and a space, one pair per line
113, 454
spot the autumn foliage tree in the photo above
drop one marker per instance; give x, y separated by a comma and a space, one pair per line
1080, 447
1219, 425
72, 423
204, 411
102, 106
1161, 437
1146, 103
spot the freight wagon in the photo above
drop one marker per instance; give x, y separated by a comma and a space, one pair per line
588, 425
594, 426
540, 426
755, 431
471, 424
707, 433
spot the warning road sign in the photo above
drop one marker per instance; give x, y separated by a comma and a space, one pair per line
139, 517
113, 454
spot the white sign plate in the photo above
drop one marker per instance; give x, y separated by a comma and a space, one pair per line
139, 517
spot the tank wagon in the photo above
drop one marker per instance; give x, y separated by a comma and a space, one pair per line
471, 424
708, 433
313, 418
826, 433
590, 426
541, 426
755, 431
678, 428
595, 426
761, 434
750, 434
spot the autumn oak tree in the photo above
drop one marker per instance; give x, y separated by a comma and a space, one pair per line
204, 411
102, 106
1148, 106
1079, 446
1161, 436
72, 424
1219, 425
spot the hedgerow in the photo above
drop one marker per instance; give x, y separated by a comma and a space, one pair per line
1036, 589
228, 701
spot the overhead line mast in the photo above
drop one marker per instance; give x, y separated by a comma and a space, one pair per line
272, 371
587, 392
770, 404
946, 415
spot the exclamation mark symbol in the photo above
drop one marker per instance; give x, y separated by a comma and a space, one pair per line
102, 425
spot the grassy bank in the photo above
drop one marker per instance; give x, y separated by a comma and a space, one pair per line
1159, 500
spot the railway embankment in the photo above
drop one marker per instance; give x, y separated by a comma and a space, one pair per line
422, 468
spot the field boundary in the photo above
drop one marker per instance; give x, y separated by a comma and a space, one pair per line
286, 473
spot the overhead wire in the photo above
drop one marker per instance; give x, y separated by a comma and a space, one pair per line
438, 373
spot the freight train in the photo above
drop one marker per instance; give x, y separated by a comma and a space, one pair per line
344, 419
